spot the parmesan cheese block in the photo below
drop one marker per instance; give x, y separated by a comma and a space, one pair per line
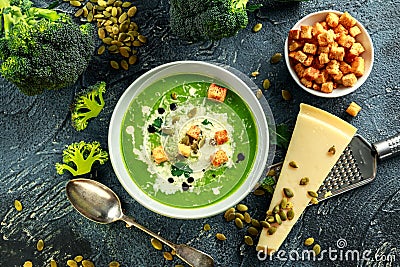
315, 133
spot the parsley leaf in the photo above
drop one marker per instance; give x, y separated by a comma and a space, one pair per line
180, 168
206, 122
268, 184
157, 122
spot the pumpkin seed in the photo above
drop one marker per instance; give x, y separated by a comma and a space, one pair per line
242, 207
28, 264
87, 263
85, 11
220, 236
75, 3
239, 223
156, 244
270, 219
40, 245
276, 58
114, 264
136, 43
89, 6
314, 201
126, 4
293, 164
255, 73
107, 40
252, 231
278, 219
259, 192
309, 241
259, 94
113, 48
72, 263
275, 209
286, 95
257, 27
332, 150
90, 16
124, 51
78, 258
240, 216
115, 29
132, 11
248, 240
247, 217
53, 263
116, 42
118, 3
312, 194
304, 181
272, 230
18, 205
288, 192
289, 205
79, 12
101, 33
317, 249
284, 202
173, 252
102, 3
124, 64
255, 223
98, 16
266, 84
142, 38
282, 215
123, 17
110, 2
106, 14
101, 50
269, 212
265, 224
228, 211
206, 227
179, 265
168, 256
122, 36
114, 11
290, 214
124, 27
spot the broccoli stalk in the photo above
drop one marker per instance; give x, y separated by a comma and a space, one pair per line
41, 49
195, 20
79, 157
87, 106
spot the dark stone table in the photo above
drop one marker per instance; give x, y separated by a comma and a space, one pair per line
35, 130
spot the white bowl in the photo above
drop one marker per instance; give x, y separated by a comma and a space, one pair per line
362, 38
219, 75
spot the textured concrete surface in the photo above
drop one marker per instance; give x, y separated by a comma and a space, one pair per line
34, 131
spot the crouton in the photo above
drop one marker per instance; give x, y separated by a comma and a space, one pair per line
353, 109
346, 40
194, 132
308, 61
332, 20
294, 45
340, 29
323, 58
300, 56
317, 64
219, 158
294, 34
326, 38
221, 137
310, 74
310, 48
349, 79
356, 49
323, 49
322, 77
217, 92
354, 31
358, 66
347, 20
316, 87
318, 29
337, 53
184, 150
306, 32
327, 87
306, 82
344, 67
299, 69
159, 155
333, 67
337, 78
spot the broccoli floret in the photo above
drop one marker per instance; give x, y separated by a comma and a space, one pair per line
87, 106
79, 157
195, 20
41, 49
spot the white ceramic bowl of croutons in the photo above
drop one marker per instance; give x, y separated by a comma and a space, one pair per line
336, 60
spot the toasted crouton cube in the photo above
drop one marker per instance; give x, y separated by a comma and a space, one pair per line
316, 87
323, 49
337, 78
294, 45
194, 132
354, 31
344, 67
219, 158
318, 29
306, 32
159, 155
184, 150
327, 87
221, 137
317, 64
308, 61
323, 58
299, 69
294, 34
347, 20
310, 48
340, 29
333, 67
353, 109
346, 40
332, 20
217, 92
326, 38
349, 79
337, 53
356, 49
322, 77
306, 82
310, 74
300, 56
358, 66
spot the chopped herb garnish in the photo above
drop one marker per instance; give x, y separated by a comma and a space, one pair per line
180, 168
253, 8
206, 122
157, 123
283, 136
268, 184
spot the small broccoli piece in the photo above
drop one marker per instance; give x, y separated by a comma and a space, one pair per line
195, 20
40, 48
79, 157
87, 106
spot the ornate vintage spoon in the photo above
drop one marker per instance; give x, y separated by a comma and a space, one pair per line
99, 203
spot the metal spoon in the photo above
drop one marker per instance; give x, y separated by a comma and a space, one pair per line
99, 203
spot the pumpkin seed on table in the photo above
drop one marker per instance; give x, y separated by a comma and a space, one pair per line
40, 245
255, 73
240, 216
259, 94
228, 211
248, 240
53, 263
101, 50
272, 230
247, 217
239, 223
75, 3
206, 227
114, 64
278, 219
114, 264
28, 264
282, 215
259, 192
288, 192
220, 236
156, 244
79, 12
18, 205
309, 241
257, 27
290, 214
72, 263
317, 249
312, 194
168, 256
314, 201
255, 223
78, 258
132, 11
266, 84
293, 164
252, 231
87, 263
265, 224
276, 58
304, 181
286, 95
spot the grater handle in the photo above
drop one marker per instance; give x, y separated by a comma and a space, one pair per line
388, 148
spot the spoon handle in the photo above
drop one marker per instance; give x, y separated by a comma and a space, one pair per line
191, 256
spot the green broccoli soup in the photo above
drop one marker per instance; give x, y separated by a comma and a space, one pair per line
182, 147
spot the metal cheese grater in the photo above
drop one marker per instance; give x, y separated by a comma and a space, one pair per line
356, 166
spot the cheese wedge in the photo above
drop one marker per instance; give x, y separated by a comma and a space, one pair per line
315, 133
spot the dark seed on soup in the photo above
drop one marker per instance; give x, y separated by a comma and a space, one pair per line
173, 106
190, 180
240, 157
171, 180
161, 110
151, 129
185, 186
